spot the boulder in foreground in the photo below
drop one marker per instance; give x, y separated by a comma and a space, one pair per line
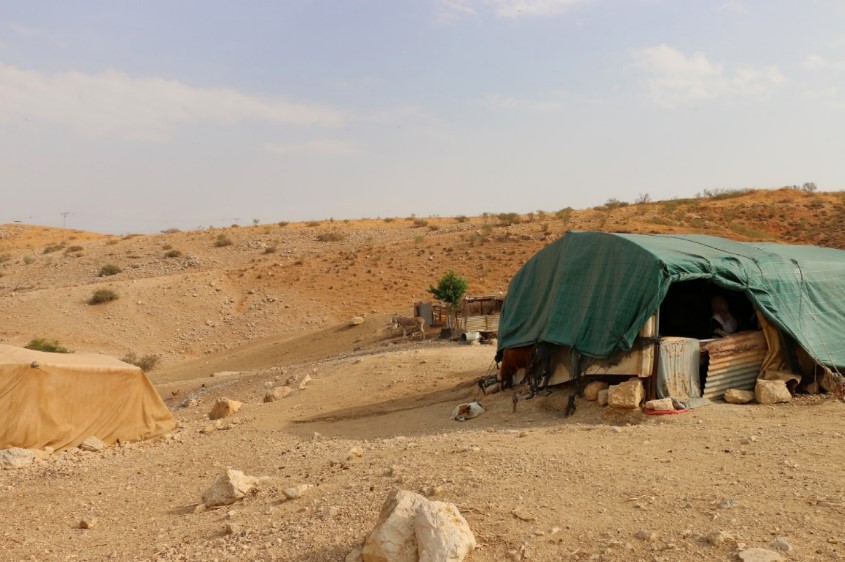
230, 486
224, 408
628, 394
771, 392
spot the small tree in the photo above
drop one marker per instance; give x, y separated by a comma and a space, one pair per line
450, 289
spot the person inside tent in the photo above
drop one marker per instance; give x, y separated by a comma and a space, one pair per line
722, 323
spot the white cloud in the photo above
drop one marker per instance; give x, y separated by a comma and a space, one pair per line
818, 62
451, 9
674, 78
116, 105
734, 6
317, 147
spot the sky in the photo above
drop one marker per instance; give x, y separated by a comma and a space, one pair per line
139, 116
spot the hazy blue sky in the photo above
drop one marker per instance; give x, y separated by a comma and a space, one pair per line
136, 116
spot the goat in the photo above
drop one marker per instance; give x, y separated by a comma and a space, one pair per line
513, 359
417, 322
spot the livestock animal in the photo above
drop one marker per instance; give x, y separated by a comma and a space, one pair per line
539, 370
415, 323
512, 360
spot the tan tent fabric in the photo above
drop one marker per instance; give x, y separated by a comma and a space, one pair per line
59, 400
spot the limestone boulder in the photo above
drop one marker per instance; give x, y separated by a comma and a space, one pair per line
393, 538
661, 405
771, 392
224, 408
356, 321
16, 458
443, 534
737, 396
628, 394
229, 487
591, 391
601, 397
759, 555
277, 393
413, 529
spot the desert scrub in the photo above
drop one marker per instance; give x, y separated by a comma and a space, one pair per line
102, 295
28, 260
146, 362
312, 224
109, 270
73, 249
49, 249
222, 240
507, 219
283, 223
332, 236
461, 218
50, 346
173, 253
419, 223
270, 250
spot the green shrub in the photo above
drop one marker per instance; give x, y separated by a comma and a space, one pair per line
109, 270
146, 362
102, 295
507, 219
50, 346
222, 240
173, 253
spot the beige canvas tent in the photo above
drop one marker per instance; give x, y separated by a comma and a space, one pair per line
59, 400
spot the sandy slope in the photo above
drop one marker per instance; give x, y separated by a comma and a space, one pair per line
273, 308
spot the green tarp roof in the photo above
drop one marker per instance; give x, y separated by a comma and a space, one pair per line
593, 290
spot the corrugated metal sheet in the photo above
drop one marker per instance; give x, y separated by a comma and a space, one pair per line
488, 323
735, 362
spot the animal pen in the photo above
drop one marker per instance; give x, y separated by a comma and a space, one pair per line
476, 314
639, 305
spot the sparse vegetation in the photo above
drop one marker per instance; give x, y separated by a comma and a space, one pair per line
331, 236
312, 224
49, 249
565, 215
28, 260
145, 362
461, 218
283, 223
222, 240
109, 270
724, 193
642, 199
419, 223
49, 346
507, 219
450, 289
4, 258
171, 231
102, 295
73, 249
270, 250
389, 219
173, 253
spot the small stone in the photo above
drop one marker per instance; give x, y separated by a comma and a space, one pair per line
223, 408
719, 537
355, 452
356, 321
329, 512
88, 522
759, 555
523, 515
305, 382
277, 393
601, 397
16, 457
232, 528
591, 391
199, 508
295, 492
92, 444
728, 503
737, 396
780, 543
748, 440
648, 536
661, 405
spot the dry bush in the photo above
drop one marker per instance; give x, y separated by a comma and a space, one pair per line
171, 231
312, 224
49, 249
283, 223
28, 260
333, 236
173, 253
507, 219
146, 362
48, 346
222, 240
72, 249
419, 223
461, 218
109, 270
103, 295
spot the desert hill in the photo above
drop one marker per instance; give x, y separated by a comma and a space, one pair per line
184, 295
240, 312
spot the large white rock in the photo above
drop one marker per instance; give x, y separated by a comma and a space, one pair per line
413, 529
591, 391
224, 408
393, 538
771, 392
16, 458
229, 487
92, 444
628, 394
443, 534
737, 396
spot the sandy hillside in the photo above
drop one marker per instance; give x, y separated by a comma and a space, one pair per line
232, 312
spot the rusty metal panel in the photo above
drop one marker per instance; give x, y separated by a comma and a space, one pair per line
735, 362
487, 323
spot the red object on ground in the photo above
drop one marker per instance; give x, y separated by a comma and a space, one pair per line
665, 412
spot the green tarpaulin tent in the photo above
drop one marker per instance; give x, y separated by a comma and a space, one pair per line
592, 291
